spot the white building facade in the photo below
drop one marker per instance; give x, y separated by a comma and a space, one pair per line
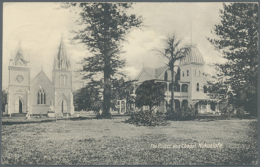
40, 95
190, 87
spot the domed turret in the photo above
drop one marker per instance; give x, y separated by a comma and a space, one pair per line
193, 57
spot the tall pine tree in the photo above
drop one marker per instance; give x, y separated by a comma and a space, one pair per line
237, 39
105, 26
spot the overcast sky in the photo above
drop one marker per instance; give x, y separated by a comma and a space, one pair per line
38, 26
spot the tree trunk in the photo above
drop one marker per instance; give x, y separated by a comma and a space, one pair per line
172, 90
106, 91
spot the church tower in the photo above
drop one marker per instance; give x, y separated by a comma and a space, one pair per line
19, 83
62, 81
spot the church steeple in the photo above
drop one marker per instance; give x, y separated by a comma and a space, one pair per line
61, 61
19, 58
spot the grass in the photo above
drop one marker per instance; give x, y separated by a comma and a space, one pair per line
113, 142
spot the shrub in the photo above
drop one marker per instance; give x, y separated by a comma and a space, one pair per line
240, 112
185, 113
146, 118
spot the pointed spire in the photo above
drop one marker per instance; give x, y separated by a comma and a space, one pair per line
61, 61
19, 58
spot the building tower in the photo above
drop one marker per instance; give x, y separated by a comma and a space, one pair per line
62, 81
19, 83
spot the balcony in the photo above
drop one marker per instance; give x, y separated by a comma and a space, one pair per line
168, 93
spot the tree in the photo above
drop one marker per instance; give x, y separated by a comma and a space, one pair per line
173, 52
122, 90
105, 27
150, 94
88, 97
4, 99
237, 40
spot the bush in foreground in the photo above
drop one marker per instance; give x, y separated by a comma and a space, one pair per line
185, 113
146, 118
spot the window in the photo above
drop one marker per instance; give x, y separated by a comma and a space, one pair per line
41, 97
198, 87
205, 89
61, 79
187, 72
63, 64
199, 73
65, 80
184, 88
195, 72
165, 76
183, 73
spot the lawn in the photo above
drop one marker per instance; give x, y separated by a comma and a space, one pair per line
113, 142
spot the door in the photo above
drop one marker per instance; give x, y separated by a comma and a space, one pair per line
18, 106
63, 107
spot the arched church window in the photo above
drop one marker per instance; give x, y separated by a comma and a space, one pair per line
65, 80
41, 98
63, 64
61, 80
198, 89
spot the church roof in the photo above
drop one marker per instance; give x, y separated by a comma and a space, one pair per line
192, 57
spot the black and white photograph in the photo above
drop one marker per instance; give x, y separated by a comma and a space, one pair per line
130, 83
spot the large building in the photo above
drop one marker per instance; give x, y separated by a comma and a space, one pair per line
40, 94
191, 83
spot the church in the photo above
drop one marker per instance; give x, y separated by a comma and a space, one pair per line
40, 95
191, 87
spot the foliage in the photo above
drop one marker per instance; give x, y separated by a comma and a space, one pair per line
149, 93
237, 40
88, 98
105, 27
185, 113
240, 112
173, 52
146, 118
122, 90
4, 99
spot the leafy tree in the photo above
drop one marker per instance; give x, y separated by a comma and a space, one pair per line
122, 90
149, 93
87, 98
237, 38
105, 26
4, 99
173, 52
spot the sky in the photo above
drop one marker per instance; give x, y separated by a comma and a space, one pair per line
39, 27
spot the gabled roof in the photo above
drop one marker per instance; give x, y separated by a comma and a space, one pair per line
154, 73
160, 71
39, 75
